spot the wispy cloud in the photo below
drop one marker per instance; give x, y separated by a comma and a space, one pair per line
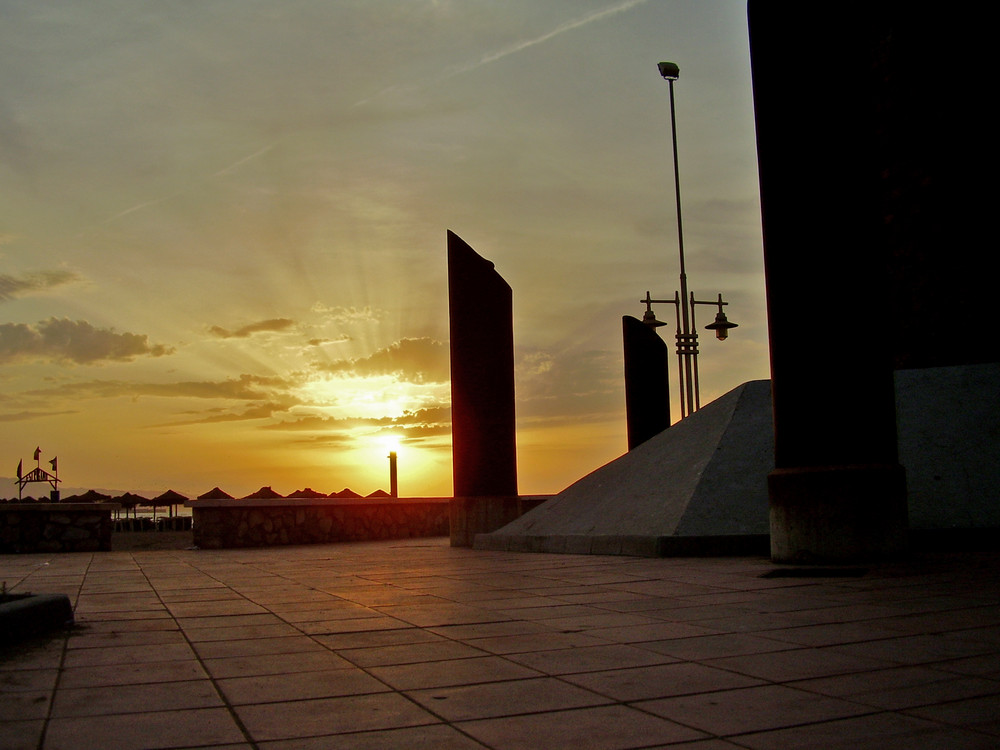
513, 49
41, 281
240, 162
246, 388
262, 326
340, 314
576, 23
164, 198
23, 416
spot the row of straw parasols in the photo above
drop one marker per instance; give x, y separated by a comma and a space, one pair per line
170, 498
130, 501
266, 493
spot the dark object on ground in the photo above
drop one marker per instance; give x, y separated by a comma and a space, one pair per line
25, 615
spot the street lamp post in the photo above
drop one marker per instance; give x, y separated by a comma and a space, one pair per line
393, 475
684, 301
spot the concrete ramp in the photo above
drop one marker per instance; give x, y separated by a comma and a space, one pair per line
699, 487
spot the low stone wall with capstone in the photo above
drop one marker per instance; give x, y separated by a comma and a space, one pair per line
55, 527
223, 524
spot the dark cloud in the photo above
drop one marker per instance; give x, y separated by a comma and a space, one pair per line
26, 415
263, 326
12, 286
343, 339
256, 411
63, 340
417, 360
243, 388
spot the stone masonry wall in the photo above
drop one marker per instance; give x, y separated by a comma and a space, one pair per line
240, 524
50, 527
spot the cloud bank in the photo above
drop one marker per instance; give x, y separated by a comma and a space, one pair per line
415, 360
77, 341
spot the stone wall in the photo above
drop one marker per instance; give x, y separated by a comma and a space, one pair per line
482, 515
222, 524
55, 527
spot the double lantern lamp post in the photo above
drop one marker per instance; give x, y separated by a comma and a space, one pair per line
684, 301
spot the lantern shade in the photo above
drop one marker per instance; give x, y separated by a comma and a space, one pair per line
721, 326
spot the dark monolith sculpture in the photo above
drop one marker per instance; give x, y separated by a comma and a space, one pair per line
482, 375
647, 394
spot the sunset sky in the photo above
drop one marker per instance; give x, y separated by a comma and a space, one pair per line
223, 225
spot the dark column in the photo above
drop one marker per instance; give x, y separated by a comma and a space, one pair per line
482, 375
838, 492
647, 389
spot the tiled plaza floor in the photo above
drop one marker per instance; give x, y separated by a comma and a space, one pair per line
413, 644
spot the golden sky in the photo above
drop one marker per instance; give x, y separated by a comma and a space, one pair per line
223, 223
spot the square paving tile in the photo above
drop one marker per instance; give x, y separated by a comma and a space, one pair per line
12, 680
84, 657
884, 731
25, 704
798, 664
589, 659
410, 653
699, 648
256, 646
643, 683
753, 709
435, 737
451, 672
325, 716
600, 728
314, 660
133, 673
145, 731
127, 699
298, 686
492, 699
21, 735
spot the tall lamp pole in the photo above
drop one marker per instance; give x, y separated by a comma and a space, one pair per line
684, 301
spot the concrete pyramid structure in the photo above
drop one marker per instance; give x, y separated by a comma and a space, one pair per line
699, 487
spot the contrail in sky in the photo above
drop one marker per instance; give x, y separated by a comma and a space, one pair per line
562, 28
155, 201
244, 160
512, 49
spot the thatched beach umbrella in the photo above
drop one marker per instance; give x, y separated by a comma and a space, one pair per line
216, 494
264, 493
168, 499
346, 492
129, 501
90, 496
378, 494
308, 492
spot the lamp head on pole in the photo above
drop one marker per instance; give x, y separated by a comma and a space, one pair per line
721, 326
669, 71
649, 317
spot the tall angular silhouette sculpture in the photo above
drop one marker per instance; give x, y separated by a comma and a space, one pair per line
482, 375
647, 394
